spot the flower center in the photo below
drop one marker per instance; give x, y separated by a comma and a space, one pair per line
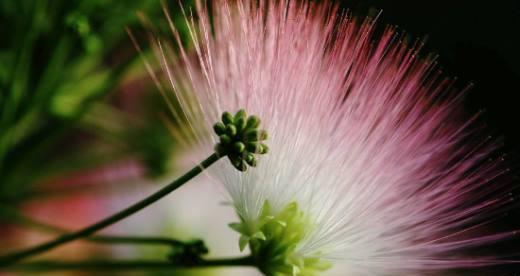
273, 241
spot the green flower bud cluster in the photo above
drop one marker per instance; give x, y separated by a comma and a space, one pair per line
240, 139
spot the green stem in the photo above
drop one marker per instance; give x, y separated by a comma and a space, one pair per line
17, 256
97, 265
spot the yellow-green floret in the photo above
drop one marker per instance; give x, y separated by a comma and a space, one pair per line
274, 239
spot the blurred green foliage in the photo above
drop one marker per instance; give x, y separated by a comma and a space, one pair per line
59, 60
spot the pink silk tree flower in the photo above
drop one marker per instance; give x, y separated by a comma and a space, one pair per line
372, 164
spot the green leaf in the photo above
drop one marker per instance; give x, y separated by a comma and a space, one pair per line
295, 270
259, 235
243, 241
239, 227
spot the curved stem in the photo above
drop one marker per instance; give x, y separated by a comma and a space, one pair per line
12, 258
97, 265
